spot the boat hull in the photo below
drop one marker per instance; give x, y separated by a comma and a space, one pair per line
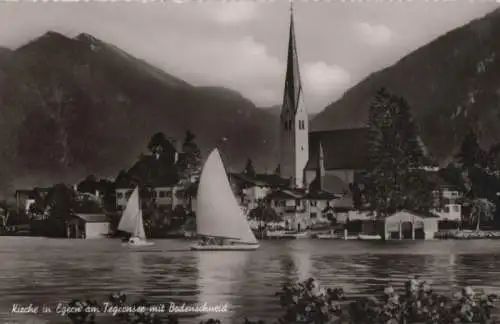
233, 247
286, 235
328, 237
369, 237
137, 242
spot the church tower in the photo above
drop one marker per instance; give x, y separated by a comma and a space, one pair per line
294, 123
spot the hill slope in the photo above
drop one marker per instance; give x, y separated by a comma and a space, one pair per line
450, 82
74, 106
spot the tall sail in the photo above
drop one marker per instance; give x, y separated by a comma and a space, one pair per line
128, 221
218, 213
139, 228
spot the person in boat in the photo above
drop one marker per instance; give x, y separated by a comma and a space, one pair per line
204, 241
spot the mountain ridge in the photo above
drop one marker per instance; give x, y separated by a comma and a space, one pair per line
451, 82
109, 104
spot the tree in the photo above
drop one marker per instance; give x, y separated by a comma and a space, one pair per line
60, 204
162, 148
89, 185
481, 209
470, 154
263, 212
189, 162
249, 169
395, 178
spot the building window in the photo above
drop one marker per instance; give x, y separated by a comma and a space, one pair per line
297, 202
119, 195
302, 125
314, 215
447, 209
313, 202
161, 194
456, 208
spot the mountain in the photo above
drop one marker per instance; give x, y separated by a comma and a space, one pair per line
451, 82
70, 107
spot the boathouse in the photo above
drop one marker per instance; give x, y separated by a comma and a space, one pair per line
88, 226
408, 225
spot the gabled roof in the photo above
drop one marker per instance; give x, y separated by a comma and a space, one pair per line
342, 149
286, 194
261, 179
411, 213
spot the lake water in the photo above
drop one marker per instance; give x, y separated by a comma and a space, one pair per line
49, 271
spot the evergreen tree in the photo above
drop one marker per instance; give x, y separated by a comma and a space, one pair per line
158, 143
395, 179
471, 155
249, 169
189, 162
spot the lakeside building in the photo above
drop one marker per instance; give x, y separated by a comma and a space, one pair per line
88, 226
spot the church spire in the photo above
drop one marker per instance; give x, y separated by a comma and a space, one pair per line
293, 86
294, 138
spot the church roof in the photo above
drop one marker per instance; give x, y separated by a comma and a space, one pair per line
345, 149
260, 179
330, 183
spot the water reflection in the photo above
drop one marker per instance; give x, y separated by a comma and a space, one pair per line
220, 279
48, 271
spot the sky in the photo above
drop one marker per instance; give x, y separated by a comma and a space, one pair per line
242, 45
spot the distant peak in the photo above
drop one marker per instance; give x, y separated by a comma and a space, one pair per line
88, 38
53, 34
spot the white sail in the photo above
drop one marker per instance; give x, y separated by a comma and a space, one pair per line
139, 229
128, 222
218, 213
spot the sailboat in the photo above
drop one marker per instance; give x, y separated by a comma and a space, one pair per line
220, 221
131, 221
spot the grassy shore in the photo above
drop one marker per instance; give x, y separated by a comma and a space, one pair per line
307, 302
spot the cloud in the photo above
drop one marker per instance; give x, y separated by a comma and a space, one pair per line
232, 12
242, 64
325, 80
374, 34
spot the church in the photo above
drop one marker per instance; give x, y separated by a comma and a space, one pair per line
323, 160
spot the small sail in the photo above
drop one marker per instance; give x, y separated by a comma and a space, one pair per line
129, 217
139, 229
218, 212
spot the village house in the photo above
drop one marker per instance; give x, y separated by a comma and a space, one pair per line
88, 219
451, 210
159, 175
251, 189
88, 226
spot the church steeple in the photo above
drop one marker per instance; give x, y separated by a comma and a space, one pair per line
294, 122
293, 86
